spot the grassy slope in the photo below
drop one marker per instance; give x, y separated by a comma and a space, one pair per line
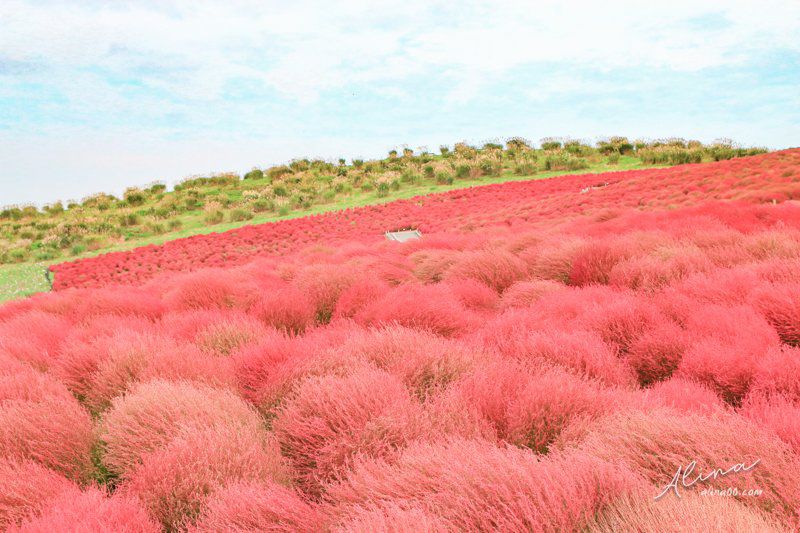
23, 279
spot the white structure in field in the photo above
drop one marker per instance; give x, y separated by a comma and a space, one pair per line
403, 236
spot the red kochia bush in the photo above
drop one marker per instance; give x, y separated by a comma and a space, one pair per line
430, 264
656, 443
27, 487
358, 295
594, 262
497, 269
776, 373
257, 506
263, 369
323, 284
117, 301
41, 421
686, 396
532, 408
174, 482
731, 341
431, 307
776, 413
665, 266
91, 510
155, 412
285, 308
474, 295
622, 319
33, 337
214, 331
107, 366
640, 513
780, 305
390, 517
211, 288
657, 352
476, 486
581, 352
525, 293
426, 363
552, 259
331, 419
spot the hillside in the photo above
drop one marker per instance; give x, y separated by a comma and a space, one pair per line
31, 239
545, 358
519, 204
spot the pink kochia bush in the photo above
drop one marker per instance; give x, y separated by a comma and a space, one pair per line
156, 412
531, 408
41, 421
108, 366
26, 487
476, 485
544, 358
258, 506
330, 420
174, 482
656, 444
92, 510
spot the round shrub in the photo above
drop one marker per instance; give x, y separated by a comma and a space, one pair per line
475, 485
155, 412
92, 510
257, 506
41, 421
27, 487
175, 481
331, 419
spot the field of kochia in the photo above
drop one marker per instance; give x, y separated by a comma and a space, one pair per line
544, 358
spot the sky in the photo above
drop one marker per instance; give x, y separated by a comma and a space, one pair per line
100, 95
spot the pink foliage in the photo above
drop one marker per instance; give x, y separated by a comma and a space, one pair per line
390, 517
91, 510
208, 289
776, 373
257, 506
654, 444
285, 308
323, 285
474, 485
358, 295
33, 337
213, 331
424, 362
532, 408
582, 352
780, 304
497, 269
544, 358
174, 481
108, 366
777, 413
26, 487
525, 293
431, 307
155, 412
41, 421
331, 419
640, 513
656, 354
686, 396
730, 343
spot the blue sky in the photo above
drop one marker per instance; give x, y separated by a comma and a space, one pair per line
96, 96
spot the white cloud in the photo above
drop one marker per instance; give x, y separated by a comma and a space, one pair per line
137, 90
192, 49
